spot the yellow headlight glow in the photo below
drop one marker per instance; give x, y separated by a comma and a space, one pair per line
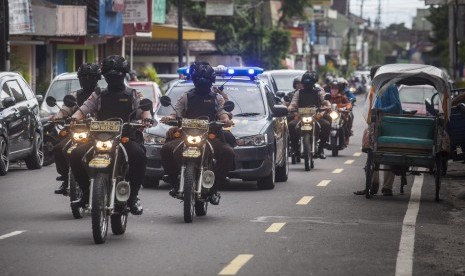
78, 136
334, 115
193, 140
104, 146
307, 119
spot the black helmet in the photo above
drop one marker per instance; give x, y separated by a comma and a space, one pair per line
89, 69
309, 78
297, 80
202, 74
114, 65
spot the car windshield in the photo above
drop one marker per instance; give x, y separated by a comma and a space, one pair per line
415, 94
146, 90
284, 82
248, 100
60, 88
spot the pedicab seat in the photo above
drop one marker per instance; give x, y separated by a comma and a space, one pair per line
406, 134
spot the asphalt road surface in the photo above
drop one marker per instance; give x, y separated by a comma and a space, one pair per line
310, 225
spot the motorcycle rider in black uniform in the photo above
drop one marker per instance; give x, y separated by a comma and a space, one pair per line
116, 101
309, 96
200, 101
88, 74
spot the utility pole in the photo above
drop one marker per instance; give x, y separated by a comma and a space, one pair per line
348, 42
362, 33
378, 26
4, 36
180, 39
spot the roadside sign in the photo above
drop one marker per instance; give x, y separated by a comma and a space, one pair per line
219, 7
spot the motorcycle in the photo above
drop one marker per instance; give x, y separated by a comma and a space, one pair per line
197, 176
108, 166
308, 141
338, 133
51, 138
78, 134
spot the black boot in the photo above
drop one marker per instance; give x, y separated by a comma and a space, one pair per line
320, 153
174, 181
135, 206
63, 189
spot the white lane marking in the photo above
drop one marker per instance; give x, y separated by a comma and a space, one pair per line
323, 183
233, 267
348, 162
404, 264
14, 233
357, 154
275, 227
304, 200
338, 170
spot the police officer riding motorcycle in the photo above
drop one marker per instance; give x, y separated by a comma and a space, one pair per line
197, 103
309, 96
116, 101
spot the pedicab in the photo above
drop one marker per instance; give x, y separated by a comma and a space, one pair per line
408, 141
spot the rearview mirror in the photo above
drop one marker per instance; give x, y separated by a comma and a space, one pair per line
8, 102
39, 98
145, 104
69, 101
51, 101
228, 106
165, 101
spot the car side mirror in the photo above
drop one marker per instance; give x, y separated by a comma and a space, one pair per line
8, 102
51, 101
165, 101
280, 94
69, 101
39, 98
228, 106
279, 111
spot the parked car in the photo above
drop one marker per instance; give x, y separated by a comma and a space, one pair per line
260, 130
149, 89
21, 132
284, 79
167, 80
268, 79
61, 86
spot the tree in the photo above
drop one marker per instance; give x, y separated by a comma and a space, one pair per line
292, 8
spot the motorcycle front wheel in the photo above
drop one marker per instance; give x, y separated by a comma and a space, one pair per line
308, 158
189, 195
334, 149
99, 208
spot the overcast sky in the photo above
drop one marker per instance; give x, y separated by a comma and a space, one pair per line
392, 11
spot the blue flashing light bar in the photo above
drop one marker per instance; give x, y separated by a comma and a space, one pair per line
220, 70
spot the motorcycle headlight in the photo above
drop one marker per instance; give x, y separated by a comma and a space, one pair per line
307, 120
150, 139
80, 136
104, 146
334, 115
352, 89
256, 140
193, 140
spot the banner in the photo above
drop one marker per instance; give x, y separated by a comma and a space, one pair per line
219, 7
159, 11
20, 16
136, 12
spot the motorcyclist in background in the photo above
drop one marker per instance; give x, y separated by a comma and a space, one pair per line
337, 97
115, 101
344, 86
309, 96
88, 74
202, 101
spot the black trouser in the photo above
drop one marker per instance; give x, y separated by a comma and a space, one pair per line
137, 164
223, 153
322, 130
59, 151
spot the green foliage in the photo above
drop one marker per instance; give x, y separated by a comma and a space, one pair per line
150, 73
439, 19
292, 8
276, 46
19, 65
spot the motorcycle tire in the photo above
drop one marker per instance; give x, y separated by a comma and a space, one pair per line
75, 193
49, 157
334, 149
100, 200
201, 208
118, 223
307, 150
188, 194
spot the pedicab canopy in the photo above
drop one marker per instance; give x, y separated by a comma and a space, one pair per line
412, 74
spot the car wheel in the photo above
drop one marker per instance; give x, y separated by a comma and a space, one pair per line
267, 182
4, 160
36, 159
282, 172
151, 182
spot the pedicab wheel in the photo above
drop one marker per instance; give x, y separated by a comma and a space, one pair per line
403, 182
369, 169
438, 176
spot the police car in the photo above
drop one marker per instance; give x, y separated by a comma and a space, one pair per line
260, 128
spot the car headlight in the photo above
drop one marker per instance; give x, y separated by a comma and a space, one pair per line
256, 140
193, 140
150, 139
307, 120
80, 137
104, 146
334, 115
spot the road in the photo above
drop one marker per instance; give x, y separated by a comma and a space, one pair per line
310, 225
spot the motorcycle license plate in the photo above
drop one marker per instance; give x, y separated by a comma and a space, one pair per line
307, 111
107, 126
306, 127
191, 152
100, 162
194, 123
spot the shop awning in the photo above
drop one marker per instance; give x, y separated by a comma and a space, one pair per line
170, 32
